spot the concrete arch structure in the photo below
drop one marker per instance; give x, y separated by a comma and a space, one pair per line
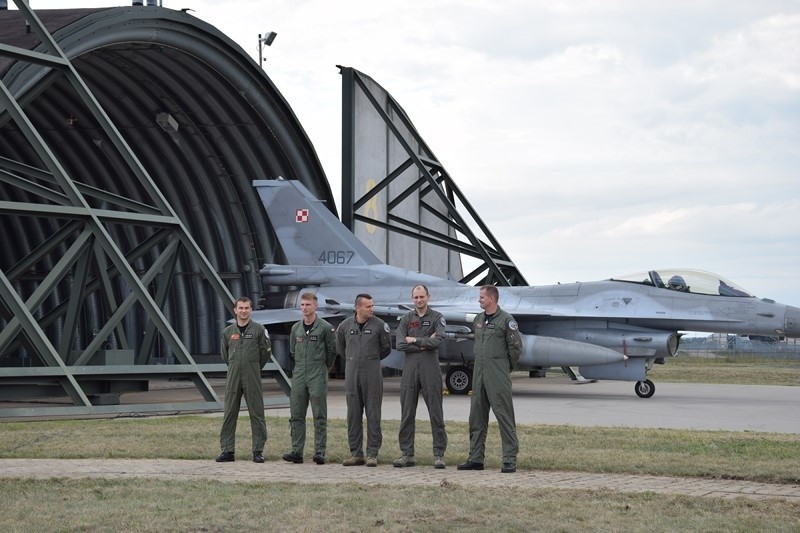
201, 117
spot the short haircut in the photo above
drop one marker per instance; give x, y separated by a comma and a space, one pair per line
492, 292
415, 287
308, 295
242, 299
362, 296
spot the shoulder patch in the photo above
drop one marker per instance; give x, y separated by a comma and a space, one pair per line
442, 322
513, 325
386, 328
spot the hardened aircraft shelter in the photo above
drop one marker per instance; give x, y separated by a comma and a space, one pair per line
129, 139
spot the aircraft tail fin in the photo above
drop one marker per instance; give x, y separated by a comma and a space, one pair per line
308, 232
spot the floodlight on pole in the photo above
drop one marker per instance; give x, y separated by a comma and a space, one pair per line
266, 40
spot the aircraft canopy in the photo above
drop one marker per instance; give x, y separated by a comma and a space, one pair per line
685, 280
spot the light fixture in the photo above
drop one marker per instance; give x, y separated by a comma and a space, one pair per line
269, 37
167, 122
266, 40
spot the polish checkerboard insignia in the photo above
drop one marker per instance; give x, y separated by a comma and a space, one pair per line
301, 216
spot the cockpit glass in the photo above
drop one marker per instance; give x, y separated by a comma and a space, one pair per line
693, 281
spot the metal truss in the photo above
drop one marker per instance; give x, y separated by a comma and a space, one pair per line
86, 258
496, 266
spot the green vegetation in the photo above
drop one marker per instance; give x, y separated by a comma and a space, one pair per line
155, 505
764, 457
726, 369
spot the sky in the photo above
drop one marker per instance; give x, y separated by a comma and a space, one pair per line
594, 137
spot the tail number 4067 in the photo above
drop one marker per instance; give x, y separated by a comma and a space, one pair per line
336, 257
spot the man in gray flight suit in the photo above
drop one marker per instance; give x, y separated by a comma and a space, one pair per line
362, 340
498, 346
245, 349
312, 345
419, 335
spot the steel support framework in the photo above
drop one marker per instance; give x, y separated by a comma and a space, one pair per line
496, 266
92, 260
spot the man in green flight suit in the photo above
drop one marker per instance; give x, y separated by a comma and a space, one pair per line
363, 339
245, 349
419, 334
312, 345
498, 345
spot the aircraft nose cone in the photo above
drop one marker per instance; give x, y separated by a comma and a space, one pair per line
792, 321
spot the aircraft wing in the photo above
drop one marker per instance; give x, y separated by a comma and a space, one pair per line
384, 309
283, 316
467, 313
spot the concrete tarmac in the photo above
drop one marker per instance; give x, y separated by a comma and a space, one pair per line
554, 400
558, 400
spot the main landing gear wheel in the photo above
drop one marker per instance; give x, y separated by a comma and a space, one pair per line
644, 389
459, 380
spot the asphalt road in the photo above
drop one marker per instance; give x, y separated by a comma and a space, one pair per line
557, 400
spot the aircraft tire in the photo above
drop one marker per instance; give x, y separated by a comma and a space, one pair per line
459, 380
644, 389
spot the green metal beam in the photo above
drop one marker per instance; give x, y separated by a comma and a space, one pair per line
112, 272
108, 294
78, 293
167, 277
31, 56
87, 190
44, 248
84, 211
136, 409
123, 308
55, 275
39, 340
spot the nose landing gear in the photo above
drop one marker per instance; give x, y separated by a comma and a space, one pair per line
644, 389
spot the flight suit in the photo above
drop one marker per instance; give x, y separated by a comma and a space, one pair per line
362, 347
498, 346
313, 352
245, 354
421, 373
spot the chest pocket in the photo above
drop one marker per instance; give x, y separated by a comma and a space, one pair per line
493, 340
492, 330
369, 344
246, 348
315, 347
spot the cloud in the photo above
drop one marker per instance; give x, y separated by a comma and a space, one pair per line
594, 137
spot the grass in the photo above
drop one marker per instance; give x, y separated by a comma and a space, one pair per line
734, 371
767, 457
155, 505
